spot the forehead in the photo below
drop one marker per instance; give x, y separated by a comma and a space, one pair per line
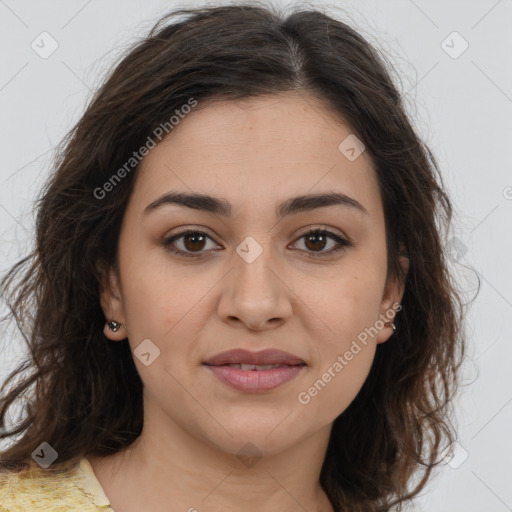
263, 150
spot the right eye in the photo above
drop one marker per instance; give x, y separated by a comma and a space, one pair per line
193, 241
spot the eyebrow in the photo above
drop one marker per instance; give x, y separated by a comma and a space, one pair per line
221, 206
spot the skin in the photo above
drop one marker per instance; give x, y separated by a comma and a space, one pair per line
254, 153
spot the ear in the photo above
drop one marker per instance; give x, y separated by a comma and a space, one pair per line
111, 302
391, 300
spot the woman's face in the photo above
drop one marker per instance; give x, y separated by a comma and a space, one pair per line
253, 278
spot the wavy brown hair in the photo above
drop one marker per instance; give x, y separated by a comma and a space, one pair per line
84, 395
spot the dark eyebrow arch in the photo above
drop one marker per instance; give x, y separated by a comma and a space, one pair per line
221, 206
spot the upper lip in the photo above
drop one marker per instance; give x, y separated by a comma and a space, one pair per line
263, 357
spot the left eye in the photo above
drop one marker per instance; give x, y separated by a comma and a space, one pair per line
317, 237
194, 242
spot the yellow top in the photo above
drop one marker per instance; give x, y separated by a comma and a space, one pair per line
38, 490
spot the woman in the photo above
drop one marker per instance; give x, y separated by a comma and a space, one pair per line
242, 299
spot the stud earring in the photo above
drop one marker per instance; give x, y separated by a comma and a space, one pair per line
114, 326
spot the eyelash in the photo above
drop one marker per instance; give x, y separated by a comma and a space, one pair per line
342, 243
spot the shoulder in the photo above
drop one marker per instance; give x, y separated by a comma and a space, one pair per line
34, 489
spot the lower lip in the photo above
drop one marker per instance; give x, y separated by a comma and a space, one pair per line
255, 380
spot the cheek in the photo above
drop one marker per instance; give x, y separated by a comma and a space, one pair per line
348, 305
336, 387
169, 308
342, 363
157, 294
349, 309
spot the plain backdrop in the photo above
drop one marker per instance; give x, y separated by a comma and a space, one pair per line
454, 62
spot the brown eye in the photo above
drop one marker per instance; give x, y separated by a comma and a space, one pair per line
192, 242
316, 240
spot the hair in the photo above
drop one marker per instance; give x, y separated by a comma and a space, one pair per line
84, 394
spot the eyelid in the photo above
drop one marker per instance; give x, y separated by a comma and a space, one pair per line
169, 240
342, 242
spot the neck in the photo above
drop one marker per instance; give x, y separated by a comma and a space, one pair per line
174, 467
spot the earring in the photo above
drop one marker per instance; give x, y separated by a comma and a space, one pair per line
114, 326
390, 324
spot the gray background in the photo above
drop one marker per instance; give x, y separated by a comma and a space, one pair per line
460, 102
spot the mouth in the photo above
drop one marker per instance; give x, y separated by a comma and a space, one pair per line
255, 372
258, 360
258, 367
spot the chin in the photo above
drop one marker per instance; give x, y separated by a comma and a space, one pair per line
254, 437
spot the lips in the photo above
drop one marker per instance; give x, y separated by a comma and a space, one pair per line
254, 360
255, 372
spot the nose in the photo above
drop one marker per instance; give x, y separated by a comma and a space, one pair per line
255, 294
